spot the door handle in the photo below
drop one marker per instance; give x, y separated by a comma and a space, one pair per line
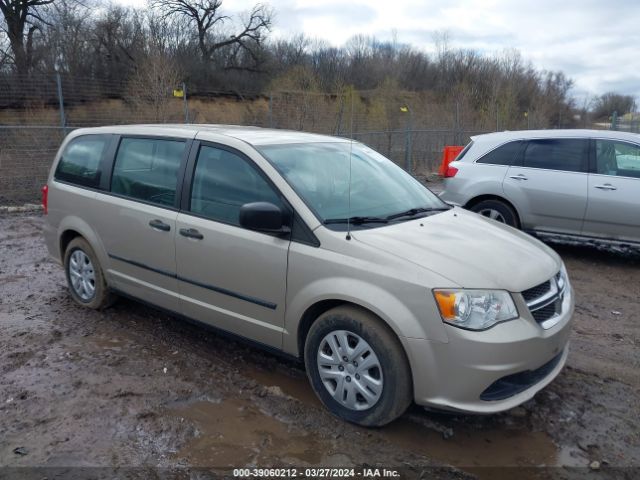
191, 233
606, 186
519, 177
159, 225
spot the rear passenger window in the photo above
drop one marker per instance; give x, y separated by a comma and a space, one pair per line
147, 169
503, 155
223, 182
567, 154
80, 162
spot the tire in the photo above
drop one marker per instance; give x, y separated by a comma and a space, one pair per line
81, 265
497, 210
388, 386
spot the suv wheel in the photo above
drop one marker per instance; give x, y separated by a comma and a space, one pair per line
84, 276
357, 367
498, 211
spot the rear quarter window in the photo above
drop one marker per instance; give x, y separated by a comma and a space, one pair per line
503, 155
464, 151
81, 160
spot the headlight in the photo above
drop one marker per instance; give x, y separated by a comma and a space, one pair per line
562, 278
475, 309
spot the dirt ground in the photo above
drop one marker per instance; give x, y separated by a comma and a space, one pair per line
132, 387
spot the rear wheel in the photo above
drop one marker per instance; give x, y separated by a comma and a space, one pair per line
84, 276
498, 211
357, 367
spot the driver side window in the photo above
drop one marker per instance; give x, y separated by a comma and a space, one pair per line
617, 158
224, 181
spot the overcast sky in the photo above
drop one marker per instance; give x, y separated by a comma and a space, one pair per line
595, 42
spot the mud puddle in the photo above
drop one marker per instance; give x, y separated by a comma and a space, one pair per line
294, 384
224, 434
235, 433
110, 343
477, 448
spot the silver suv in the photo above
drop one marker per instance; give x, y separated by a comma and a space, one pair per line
317, 247
579, 185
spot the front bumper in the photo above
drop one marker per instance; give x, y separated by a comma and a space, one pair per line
465, 373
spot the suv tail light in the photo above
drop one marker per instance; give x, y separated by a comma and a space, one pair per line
45, 198
450, 172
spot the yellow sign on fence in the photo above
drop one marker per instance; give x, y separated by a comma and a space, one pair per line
179, 93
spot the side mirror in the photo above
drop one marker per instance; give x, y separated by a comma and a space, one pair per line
263, 217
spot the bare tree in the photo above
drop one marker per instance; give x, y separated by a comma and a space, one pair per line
150, 88
4, 50
68, 36
205, 15
21, 24
606, 104
119, 40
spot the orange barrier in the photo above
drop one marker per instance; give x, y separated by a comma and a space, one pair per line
449, 153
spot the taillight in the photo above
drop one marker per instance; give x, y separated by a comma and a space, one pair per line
450, 172
45, 199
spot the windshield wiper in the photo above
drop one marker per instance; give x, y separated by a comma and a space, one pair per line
356, 220
415, 211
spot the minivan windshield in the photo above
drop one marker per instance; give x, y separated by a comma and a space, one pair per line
380, 191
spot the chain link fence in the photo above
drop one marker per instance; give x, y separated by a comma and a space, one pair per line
37, 112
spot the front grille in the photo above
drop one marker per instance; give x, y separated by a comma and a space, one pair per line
545, 313
537, 291
545, 301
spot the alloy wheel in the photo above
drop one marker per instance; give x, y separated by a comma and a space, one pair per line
492, 214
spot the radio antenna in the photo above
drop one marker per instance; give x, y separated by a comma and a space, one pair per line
350, 155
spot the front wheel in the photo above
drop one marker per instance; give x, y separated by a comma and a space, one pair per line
358, 367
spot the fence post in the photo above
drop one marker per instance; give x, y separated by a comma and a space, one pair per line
407, 140
270, 110
614, 121
186, 104
63, 120
456, 127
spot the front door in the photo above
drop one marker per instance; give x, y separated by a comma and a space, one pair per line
228, 276
614, 192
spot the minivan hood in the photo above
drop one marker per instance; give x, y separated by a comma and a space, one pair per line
468, 249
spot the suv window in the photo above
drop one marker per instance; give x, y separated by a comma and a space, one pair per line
80, 161
566, 154
617, 158
223, 182
503, 155
464, 151
147, 169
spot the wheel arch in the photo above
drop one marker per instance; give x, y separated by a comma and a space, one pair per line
311, 314
314, 311
66, 237
73, 227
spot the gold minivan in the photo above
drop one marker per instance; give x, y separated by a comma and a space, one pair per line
318, 247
